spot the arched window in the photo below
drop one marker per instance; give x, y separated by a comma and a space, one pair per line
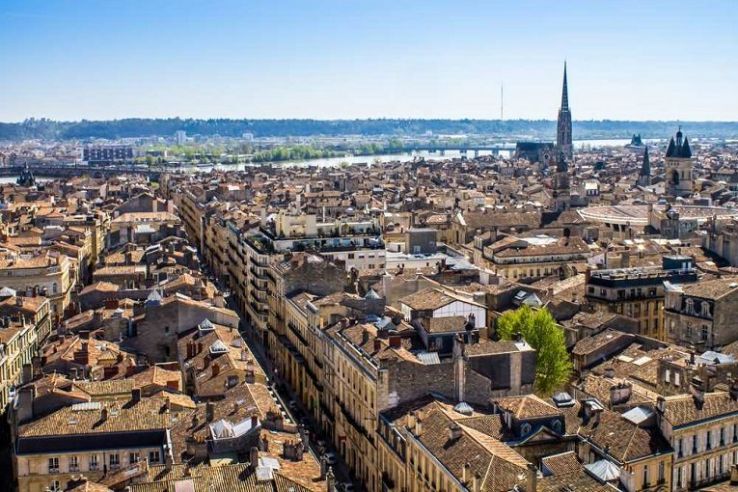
525, 429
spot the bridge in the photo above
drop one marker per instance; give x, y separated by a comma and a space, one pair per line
462, 148
48, 170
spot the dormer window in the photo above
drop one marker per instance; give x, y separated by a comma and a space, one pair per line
556, 426
706, 309
525, 429
689, 306
205, 326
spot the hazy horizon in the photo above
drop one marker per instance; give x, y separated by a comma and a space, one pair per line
337, 60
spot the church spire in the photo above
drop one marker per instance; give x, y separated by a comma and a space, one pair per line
646, 166
563, 126
565, 92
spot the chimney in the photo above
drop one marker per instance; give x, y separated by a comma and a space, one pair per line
377, 344
620, 393
209, 411
330, 480
103, 414
698, 392
254, 457
135, 395
532, 477
27, 372
733, 389
254, 421
476, 482
216, 369
395, 341
264, 444
418, 425
660, 404
454, 431
465, 472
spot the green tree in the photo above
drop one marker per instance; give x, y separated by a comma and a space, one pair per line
553, 365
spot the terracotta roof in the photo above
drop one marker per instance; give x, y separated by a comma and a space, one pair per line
682, 409
527, 407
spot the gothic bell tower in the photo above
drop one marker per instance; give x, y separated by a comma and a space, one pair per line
678, 167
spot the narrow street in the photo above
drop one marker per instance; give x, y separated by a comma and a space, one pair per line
284, 395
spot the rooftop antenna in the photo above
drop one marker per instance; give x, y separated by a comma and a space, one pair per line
502, 102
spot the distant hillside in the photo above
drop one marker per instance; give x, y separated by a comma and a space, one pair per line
534, 129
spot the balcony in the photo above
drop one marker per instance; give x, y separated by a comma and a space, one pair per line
355, 423
261, 275
297, 333
258, 284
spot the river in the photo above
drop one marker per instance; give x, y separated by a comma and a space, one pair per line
407, 156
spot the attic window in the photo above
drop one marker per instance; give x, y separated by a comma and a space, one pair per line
218, 347
206, 325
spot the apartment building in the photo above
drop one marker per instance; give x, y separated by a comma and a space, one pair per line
702, 314
702, 429
18, 345
533, 258
639, 293
92, 438
46, 273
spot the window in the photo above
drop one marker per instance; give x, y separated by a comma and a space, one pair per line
680, 448
55, 486
93, 462
709, 440
166, 329
694, 444
689, 306
73, 464
134, 457
53, 465
645, 475
704, 333
706, 309
661, 472
154, 457
667, 376
114, 460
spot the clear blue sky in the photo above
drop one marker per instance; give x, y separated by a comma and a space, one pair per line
354, 58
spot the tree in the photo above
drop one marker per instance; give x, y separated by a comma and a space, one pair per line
538, 328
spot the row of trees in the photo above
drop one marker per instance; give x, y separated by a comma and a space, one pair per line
535, 129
